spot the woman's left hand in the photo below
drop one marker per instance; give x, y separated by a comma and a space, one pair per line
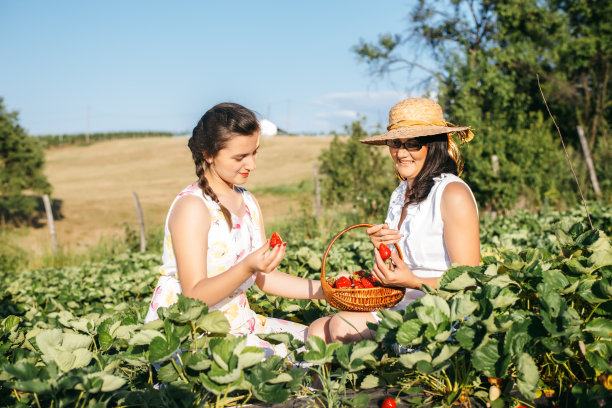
399, 276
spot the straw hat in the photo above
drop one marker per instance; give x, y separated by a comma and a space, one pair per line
417, 117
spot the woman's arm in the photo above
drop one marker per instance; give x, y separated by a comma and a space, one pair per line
189, 225
282, 284
460, 218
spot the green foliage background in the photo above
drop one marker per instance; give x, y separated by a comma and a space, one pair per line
21, 169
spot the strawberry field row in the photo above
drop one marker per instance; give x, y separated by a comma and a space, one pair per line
534, 321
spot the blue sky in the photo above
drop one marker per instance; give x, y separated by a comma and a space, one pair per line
72, 66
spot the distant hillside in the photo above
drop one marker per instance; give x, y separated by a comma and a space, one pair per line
93, 184
82, 138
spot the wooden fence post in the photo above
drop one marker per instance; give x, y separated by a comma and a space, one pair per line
50, 221
317, 190
495, 164
589, 160
143, 236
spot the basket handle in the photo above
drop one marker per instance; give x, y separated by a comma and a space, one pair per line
334, 239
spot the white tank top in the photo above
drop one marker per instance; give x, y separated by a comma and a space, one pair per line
423, 244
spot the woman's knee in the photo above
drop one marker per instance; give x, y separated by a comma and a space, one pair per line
320, 328
348, 328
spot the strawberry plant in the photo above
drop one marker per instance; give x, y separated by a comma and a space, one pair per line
533, 321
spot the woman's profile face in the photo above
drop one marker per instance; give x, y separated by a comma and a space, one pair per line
234, 163
408, 163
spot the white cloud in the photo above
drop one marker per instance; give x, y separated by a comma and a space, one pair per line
335, 110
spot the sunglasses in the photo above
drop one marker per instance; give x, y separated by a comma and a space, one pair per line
412, 145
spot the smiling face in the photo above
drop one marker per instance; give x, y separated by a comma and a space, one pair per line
408, 163
233, 164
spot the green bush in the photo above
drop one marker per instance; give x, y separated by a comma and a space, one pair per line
357, 174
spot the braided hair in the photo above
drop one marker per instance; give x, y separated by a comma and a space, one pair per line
212, 133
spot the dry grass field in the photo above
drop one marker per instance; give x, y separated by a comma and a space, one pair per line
95, 185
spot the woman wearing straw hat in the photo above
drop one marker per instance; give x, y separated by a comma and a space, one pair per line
432, 216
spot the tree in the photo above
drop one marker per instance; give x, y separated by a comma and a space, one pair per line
488, 54
21, 169
356, 174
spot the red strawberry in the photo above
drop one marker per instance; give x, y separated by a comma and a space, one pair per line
275, 240
385, 252
357, 284
343, 282
331, 282
366, 283
388, 403
360, 273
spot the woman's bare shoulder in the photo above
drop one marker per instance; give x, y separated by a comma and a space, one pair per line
457, 199
189, 209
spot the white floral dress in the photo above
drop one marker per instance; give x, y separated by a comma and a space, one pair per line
225, 249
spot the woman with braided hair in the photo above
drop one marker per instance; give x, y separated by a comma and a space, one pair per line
215, 246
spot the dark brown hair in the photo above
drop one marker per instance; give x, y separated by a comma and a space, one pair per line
212, 133
437, 161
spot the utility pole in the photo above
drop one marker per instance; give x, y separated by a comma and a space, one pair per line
87, 134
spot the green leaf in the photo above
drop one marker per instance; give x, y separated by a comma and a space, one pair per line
213, 322
528, 376
196, 361
600, 327
250, 356
461, 306
167, 373
410, 359
438, 304
411, 332
456, 279
319, 352
485, 358
504, 298
161, 350
220, 389
34, 386
470, 337
109, 382
223, 376
445, 353
22, 371
556, 279
144, 337
222, 350
521, 334
370, 381
359, 401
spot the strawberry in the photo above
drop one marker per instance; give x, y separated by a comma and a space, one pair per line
357, 283
275, 240
343, 282
388, 403
331, 282
360, 273
385, 252
366, 283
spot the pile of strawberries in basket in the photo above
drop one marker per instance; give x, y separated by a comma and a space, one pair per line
358, 280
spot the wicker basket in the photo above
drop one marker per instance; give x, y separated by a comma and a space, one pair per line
359, 300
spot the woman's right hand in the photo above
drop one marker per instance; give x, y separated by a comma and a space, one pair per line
382, 234
265, 260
